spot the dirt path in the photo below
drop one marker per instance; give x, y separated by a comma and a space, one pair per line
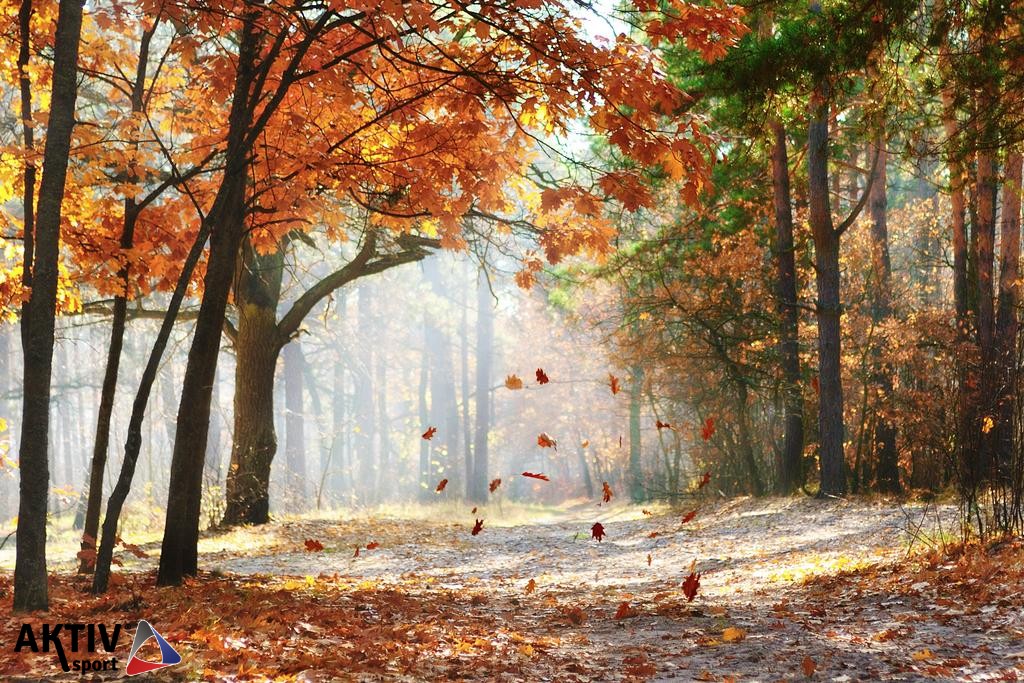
787, 588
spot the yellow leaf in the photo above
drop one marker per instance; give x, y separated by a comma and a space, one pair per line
531, 586
987, 424
733, 634
921, 655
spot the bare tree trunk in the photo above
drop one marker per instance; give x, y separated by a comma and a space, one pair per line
295, 437
30, 589
364, 399
637, 492
826, 253
424, 414
986, 188
884, 441
1007, 323
791, 475
484, 362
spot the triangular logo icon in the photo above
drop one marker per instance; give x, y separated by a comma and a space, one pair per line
168, 656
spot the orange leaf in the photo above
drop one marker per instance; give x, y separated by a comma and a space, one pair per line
545, 441
607, 492
709, 428
495, 483
513, 382
429, 434
372, 545
690, 586
625, 611
662, 425
613, 382
532, 475
809, 666
314, 546
688, 517
531, 586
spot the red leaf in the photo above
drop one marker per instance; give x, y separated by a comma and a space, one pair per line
607, 492
495, 483
662, 425
313, 545
613, 382
704, 480
688, 517
690, 586
441, 484
372, 545
429, 434
531, 475
542, 377
816, 384
478, 527
545, 441
597, 531
625, 611
357, 551
709, 428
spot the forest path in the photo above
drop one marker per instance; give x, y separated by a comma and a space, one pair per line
788, 587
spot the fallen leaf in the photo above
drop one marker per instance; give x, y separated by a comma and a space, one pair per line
808, 666
586, 442
533, 475
314, 546
441, 484
478, 527
607, 492
429, 434
625, 611
542, 377
648, 559
597, 531
688, 517
733, 634
922, 655
691, 584
531, 586
357, 551
513, 382
372, 545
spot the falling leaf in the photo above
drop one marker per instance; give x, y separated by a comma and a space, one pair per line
662, 425
542, 377
625, 611
607, 492
586, 442
532, 475
808, 666
692, 583
314, 546
473, 511
597, 531
429, 434
357, 551
372, 545
648, 559
513, 382
620, 440
688, 517
613, 383
704, 480
733, 634
647, 513
495, 483
531, 586
545, 441
987, 424
440, 485
708, 430
478, 527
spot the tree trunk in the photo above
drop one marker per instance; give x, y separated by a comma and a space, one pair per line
986, 188
746, 440
364, 400
791, 474
257, 346
295, 437
826, 254
884, 442
484, 361
30, 589
424, 414
1007, 324
637, 492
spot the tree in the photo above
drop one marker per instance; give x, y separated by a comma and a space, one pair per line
30, 589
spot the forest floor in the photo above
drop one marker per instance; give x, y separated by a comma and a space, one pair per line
790, 590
